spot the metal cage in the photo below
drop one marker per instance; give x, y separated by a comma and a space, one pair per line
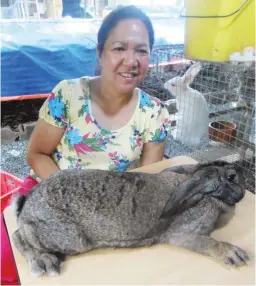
229, 91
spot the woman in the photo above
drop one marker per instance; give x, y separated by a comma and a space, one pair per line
104, 122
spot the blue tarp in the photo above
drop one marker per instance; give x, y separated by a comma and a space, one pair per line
36, 55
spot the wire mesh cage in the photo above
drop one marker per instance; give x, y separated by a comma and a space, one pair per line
212, 106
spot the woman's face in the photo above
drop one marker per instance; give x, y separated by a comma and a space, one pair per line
125, 58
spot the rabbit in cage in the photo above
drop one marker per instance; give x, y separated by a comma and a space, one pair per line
193, 113
75, 211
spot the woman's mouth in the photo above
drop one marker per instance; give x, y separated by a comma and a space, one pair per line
128, 74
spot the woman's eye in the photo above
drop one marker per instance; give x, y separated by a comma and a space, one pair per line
141, 51
119, 49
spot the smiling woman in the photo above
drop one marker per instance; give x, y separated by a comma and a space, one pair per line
104, 122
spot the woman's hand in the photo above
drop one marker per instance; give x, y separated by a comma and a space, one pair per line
152, 152
44, 140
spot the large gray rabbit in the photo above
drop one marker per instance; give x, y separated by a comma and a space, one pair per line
75, 211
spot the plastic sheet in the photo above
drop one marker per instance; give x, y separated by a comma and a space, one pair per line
37, 55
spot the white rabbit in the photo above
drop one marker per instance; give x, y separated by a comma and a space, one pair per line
193, 113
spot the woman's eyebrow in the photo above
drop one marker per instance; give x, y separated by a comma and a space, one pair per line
126, 43
142, 45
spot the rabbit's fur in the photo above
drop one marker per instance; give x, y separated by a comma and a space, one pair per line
74, 211
193, 113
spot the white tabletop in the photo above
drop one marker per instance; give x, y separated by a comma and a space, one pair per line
160, 264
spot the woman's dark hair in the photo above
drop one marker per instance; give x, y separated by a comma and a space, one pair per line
122, 13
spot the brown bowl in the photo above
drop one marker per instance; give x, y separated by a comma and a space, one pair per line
223, 131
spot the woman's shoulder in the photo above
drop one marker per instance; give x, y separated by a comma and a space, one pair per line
73, 82
149, 103
75, 88
153, 117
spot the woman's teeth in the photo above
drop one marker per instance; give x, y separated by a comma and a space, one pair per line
129, 75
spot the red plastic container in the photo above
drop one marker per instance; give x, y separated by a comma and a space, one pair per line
9, 276
9, 185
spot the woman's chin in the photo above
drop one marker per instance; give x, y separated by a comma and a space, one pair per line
127, 85
126, 89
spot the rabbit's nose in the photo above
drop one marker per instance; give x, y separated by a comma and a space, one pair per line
233, 193
239, 193
166, 85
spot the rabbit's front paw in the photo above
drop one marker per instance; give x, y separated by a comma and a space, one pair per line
230, 254
46, 263
36, 269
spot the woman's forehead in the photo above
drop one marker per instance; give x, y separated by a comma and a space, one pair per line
129, 30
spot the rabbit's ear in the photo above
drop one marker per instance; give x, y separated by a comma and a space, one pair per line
192, 72
187, 197
188, 169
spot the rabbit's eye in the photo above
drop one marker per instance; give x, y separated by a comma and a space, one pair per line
173, 84
232, 177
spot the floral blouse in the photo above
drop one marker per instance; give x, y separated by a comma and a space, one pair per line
85, 143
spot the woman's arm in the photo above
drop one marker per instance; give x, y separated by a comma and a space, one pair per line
42, 143
152, 152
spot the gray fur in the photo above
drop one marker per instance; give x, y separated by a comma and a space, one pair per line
75, 211
17, 203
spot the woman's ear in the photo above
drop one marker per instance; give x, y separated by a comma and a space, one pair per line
99, 65
99, 53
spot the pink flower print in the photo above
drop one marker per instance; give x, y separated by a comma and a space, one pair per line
158, 102
79, 165
82, 148
167, 121
63, 118
138, 142
86, 136
52, 95
111, 155
88, 118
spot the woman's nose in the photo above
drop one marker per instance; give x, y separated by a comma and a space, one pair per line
130, 59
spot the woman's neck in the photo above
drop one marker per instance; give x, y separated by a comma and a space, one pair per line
110, 101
